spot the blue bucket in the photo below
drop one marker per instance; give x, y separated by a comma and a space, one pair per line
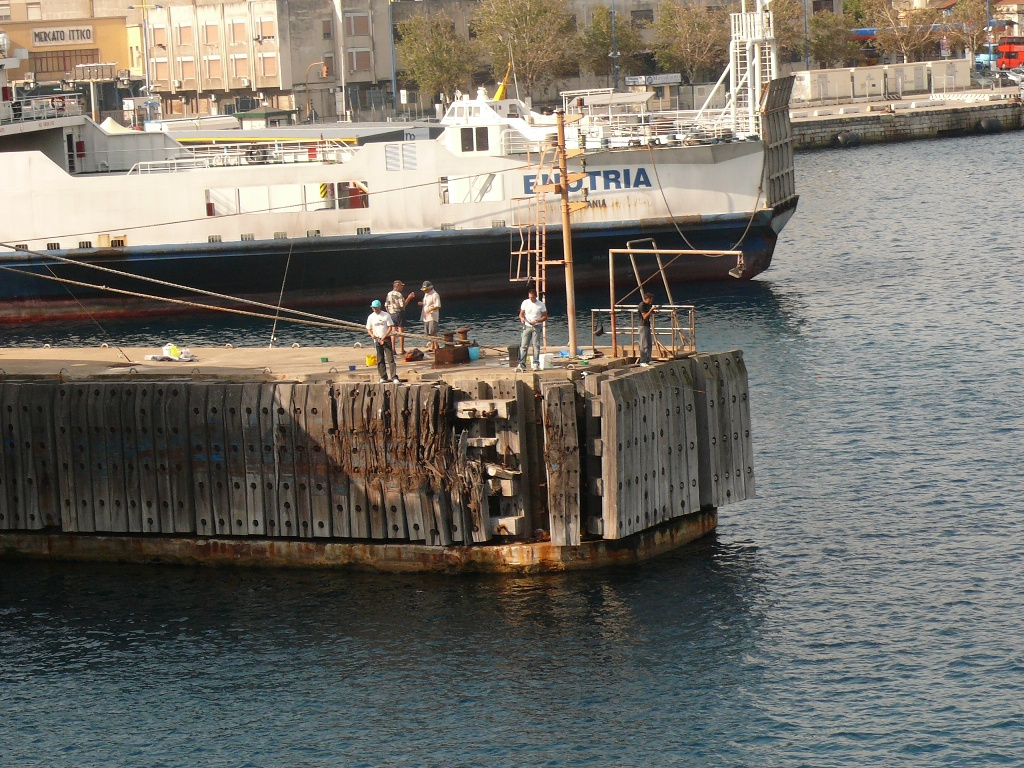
474, 353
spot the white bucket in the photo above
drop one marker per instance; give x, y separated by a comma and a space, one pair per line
545, 361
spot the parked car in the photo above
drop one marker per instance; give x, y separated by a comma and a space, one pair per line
1015, 75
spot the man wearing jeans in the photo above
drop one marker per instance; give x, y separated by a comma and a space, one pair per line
645, 310
380, 326
531, 314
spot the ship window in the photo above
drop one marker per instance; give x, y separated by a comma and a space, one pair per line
53, 246
353, 194
362, 230
474, 139
497, 223
280, 235
21, 246
312, 233
117, 242
213, 239
85, 243
442, 189
248, 236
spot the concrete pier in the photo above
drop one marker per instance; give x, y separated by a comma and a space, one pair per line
298, 457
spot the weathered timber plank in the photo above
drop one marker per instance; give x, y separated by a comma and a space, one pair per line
238, 518
130, 452
743, 457
66, 493
509, 449
268, 461
179, 464
283, 436
117, 459
315, 462
225, 461
43, 453
257, 523
358, 504
593, 407
337, 459
202, 462
707, 432
99, 461
561, 457
11, 503
150, 487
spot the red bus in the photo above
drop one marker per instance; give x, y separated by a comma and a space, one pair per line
1010, 52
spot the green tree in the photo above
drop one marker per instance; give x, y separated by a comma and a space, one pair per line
788, 16
596, 44
434, 55
692, 40
967, 25
831, 44
539, 34
910, 33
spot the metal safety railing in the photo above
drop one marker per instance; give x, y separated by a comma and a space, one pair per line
673, 328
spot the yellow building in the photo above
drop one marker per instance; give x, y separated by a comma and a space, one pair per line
57, 46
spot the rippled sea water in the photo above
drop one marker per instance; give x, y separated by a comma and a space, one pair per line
864, 610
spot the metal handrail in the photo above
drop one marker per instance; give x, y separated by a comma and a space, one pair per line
675, 337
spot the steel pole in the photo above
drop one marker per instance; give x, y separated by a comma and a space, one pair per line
570, 280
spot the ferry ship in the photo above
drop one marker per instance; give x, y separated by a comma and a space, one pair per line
99, 223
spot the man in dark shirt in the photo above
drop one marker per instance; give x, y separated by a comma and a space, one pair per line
646, 310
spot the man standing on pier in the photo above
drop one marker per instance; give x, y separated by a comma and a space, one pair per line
532, 313
380, 326
394, 304
646, 310
431, 314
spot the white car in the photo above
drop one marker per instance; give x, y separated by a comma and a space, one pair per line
1016, 75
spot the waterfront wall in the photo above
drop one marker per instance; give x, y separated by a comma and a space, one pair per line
463, 460
851, 124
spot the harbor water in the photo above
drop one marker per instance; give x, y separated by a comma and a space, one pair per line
864, 610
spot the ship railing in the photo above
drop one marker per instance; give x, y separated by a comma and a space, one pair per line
675, 127
40, 108
255, 154
673, 327
276, 152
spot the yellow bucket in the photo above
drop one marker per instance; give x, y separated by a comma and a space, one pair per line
371, 360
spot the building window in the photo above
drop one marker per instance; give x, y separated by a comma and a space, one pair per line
211, 33
266, 28
188, 68
268, 64
5, 11
357, 24
158, 36
641, 19
328, 27
239, 65
214, 70
238, 31
162, 70
358, 59
185, 34
328, 59
60, 62
34, 11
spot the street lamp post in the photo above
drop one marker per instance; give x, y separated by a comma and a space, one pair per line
391, 36
145, 53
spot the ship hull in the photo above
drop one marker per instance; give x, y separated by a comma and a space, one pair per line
344, 271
